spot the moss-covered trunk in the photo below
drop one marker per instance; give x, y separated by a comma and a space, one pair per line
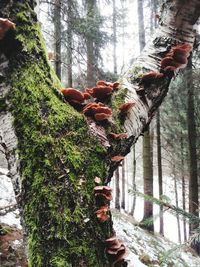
58, 157
54, 152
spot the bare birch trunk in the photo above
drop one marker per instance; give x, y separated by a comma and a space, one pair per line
53, 152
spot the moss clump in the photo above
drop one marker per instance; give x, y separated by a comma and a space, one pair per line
3, 104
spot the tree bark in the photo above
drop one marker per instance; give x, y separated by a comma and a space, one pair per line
160, 180
192, 137
148, 179
134, 188
54, 152
183, 189
114, 38
176, 200
69, 44
141, 30
123, 202
57, 28
117, 190
90, 46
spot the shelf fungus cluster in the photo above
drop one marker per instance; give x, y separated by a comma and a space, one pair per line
98, 111
116, 250
176, 59
5, 26
103, 195
91, 102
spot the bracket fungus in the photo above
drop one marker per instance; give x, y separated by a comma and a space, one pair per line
119, 136
117, 158
177, 58
115, 250
73, 96
5, 25
102, 213
150, 77
98, 111
103, 90
103, 192
124, 109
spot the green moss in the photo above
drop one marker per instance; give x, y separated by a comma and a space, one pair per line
3, 104
55, 150
56, 155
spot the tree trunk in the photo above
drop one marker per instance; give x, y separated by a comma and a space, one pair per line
114, 38
134, 188
192, 135
54, 152
69, 43
176, 200
123, 202
147, 149
90, 46
160, 178
183, 190
57, 28
141, 29
117, 190
148, 179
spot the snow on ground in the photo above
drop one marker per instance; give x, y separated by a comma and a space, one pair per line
7, 198
146, 249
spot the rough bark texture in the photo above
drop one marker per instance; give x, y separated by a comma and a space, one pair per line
160, 178
193, 169
91, 9
52, 155
57, 29
117, 190
114, 38
148, 179
69, 43
123, 177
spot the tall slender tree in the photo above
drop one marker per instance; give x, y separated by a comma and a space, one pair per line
147, 146
123, 177
91, 6
114, 38
57, 27
69, 42
160, 176
192, 136
117, 190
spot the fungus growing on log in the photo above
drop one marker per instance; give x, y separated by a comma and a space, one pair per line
72, 94
117, 158
119, 136
86, 95
115, 250
103, 193
151, 76
101, 92
98, 111
176, 59
126, 107
102, 213
5, 25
